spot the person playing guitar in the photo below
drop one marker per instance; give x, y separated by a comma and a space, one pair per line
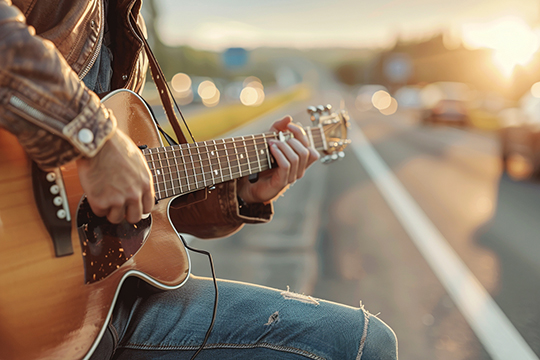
54, 57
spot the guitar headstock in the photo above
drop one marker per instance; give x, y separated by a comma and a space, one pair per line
334, 127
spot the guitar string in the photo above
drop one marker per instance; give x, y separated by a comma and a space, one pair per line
192, 179
206, 144
197, 184
251, 150
232, 160
176, 152
216, 180
174, 169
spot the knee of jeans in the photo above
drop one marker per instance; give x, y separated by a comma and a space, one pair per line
380, 342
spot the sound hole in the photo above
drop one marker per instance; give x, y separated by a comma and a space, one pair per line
106, 246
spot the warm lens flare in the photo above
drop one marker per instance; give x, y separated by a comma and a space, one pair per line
381, 100
181, 83
511, 38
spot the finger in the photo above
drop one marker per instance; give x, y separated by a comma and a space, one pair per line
148, 201
291, 157
148, 198
281, 125
299, 133
283, 165
303, 155
116, 214
98, 208
313, 156
134, 211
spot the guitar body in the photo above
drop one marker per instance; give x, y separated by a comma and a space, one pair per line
51, 307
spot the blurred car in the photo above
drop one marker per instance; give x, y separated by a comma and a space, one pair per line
520, 138
446, 102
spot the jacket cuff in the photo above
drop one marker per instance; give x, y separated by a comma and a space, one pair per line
248, 213
90, 129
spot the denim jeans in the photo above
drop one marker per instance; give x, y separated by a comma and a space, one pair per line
252, 322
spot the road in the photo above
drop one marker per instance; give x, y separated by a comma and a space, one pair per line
335, 236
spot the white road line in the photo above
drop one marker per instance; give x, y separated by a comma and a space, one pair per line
499, 337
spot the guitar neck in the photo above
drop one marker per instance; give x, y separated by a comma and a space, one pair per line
185, 168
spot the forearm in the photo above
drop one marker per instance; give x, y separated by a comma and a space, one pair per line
219, 215
42, 101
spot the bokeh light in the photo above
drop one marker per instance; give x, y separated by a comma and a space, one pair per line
181, 83
391, 108
249, 96
207, 90
381, 100
535, 90
253, 92
212, 101
209, 93
181, 86
511, 38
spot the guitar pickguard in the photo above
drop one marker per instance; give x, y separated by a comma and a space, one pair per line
106, 246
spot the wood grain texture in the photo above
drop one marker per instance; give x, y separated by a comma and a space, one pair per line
46, 309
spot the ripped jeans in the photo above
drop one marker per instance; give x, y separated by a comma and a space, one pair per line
252, 322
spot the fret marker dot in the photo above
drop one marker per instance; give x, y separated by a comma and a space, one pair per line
216, 172
211, 152
158, 172
241, 156
262, 151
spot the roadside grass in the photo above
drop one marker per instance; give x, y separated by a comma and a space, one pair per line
214, 122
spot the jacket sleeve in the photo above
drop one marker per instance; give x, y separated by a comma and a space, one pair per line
42, 101
219, 215
57, 119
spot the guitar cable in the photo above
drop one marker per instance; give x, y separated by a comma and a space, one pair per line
214, 311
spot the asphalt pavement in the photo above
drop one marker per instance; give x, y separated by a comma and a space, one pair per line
335, 236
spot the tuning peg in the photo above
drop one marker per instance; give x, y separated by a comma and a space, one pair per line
320, 109
326, 159
314, 114
311, 110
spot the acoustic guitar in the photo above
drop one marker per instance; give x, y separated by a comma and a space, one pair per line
61, 266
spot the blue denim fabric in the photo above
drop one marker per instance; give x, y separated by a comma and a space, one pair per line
253, 322
98, 79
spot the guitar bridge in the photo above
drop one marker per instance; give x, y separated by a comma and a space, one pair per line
51, 200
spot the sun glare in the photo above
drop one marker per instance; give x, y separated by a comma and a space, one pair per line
512, 40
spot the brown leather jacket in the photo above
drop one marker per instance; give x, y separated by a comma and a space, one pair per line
46, 47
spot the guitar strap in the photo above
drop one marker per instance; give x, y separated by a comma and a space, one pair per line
162, 87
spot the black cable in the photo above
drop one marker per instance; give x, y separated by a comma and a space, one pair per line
214, 312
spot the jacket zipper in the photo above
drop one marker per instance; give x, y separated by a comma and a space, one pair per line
98, 47
36, 117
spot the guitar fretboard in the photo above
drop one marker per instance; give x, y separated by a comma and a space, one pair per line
185, 168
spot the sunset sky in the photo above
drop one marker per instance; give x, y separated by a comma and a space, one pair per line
218, 24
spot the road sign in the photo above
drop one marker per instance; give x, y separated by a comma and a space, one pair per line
235, 58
